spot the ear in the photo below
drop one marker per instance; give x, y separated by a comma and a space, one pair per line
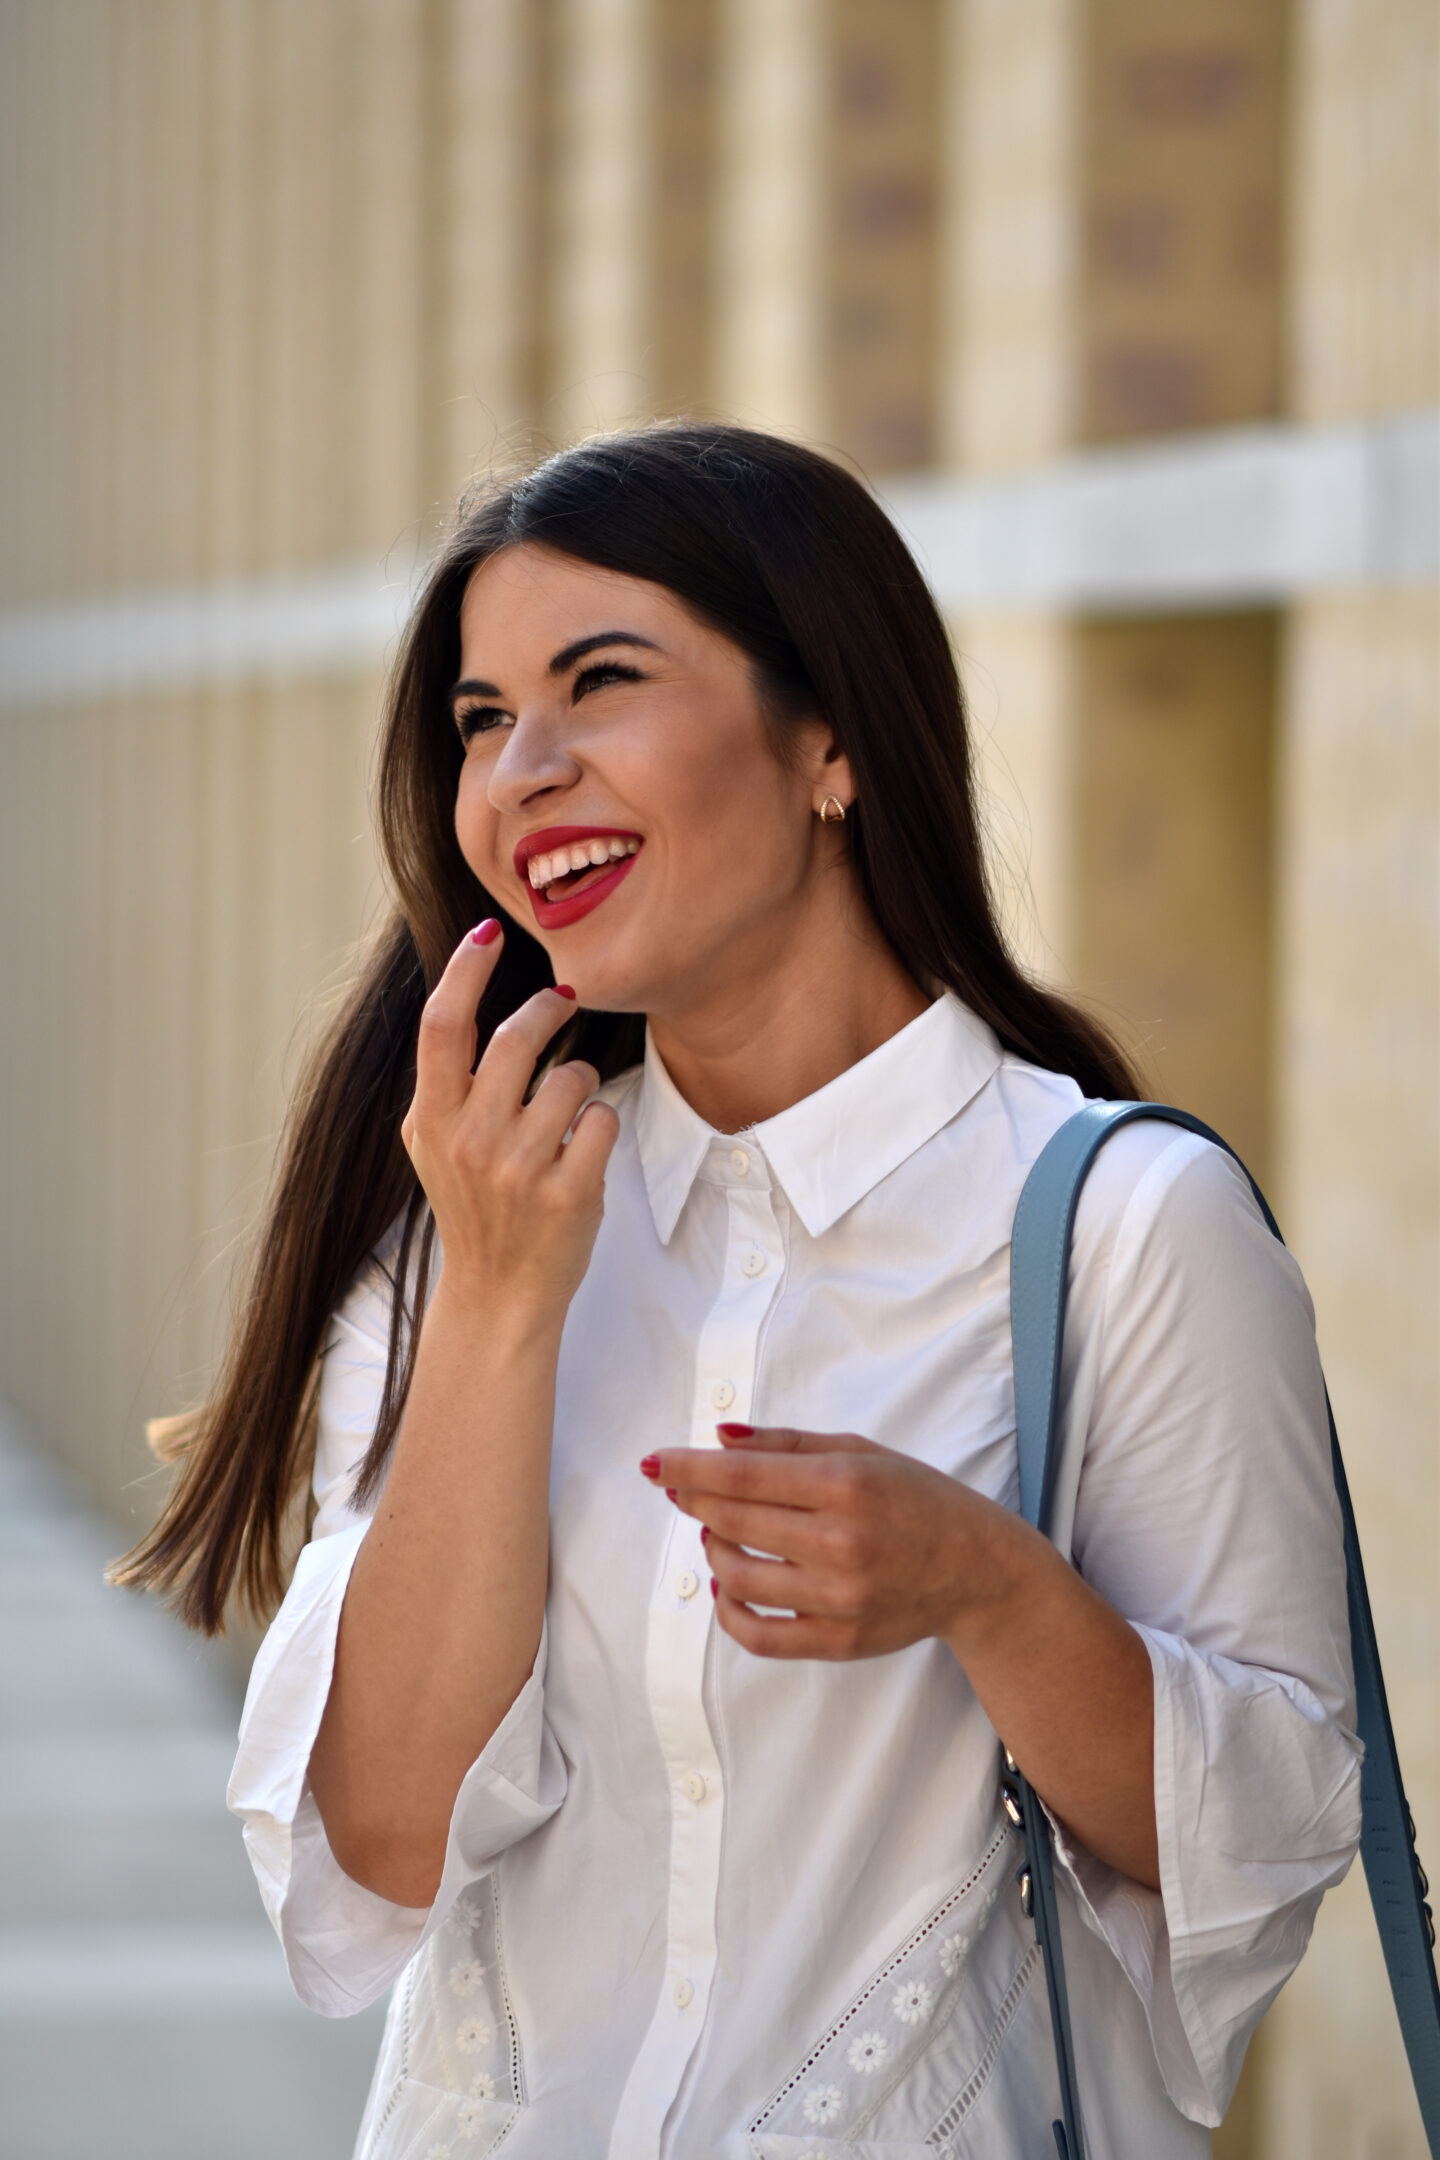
824, 764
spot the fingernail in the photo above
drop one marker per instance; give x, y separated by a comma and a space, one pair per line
485, 933
650, 1466
714, 1587
564, 990
704, 1533
737, 1432
669, 1492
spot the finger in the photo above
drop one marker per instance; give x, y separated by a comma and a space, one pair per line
504, 1072
754, 1579
783, 1480
795, 1534
596, 1130
445, 1047
769, 1635
784, 1440
553, 1109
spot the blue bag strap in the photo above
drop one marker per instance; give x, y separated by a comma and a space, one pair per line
1039, 1274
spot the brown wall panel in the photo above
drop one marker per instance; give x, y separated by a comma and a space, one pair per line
1173, 750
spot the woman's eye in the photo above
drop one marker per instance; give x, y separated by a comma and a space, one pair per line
606, 671
478, 720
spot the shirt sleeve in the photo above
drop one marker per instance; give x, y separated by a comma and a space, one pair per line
1200, 1502
344, 1945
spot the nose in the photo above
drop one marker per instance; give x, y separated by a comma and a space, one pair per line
533, 761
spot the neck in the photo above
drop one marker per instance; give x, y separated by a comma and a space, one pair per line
757, 1046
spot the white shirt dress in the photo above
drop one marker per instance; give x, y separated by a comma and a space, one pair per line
699, 1905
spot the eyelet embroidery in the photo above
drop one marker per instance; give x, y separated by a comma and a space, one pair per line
913, 2002
458, 2034
867, 2053
916, 1989
823, 2104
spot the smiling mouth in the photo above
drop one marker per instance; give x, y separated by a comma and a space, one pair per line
572, 869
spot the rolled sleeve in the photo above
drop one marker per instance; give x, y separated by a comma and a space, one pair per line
1202, 1505
1257, 1806
344, 1945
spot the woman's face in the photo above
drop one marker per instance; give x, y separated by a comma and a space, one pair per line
620, 794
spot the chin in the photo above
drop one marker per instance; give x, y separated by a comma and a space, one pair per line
602, 981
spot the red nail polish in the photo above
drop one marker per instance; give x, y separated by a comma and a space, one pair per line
714, 1587
737, 1432
564, 990
669, 1492
485, 933
650, 1466
704, 1533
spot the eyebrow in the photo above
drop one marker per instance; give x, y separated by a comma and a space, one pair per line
563, 661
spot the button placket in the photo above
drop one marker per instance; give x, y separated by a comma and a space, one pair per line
679, 1631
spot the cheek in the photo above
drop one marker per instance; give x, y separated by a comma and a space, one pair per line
474, 821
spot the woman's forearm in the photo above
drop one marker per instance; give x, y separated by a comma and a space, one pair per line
1066, 1682
444, 1609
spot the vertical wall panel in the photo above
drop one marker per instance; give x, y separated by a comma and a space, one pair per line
1172, 812
602, 296
769, 290
1365, 207
1008, 396
682, 201
485, 89
1182, 159
1360, 1189
882, 127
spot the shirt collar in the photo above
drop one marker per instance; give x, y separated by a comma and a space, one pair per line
833, 1148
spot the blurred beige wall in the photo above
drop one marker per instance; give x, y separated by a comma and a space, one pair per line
277, 276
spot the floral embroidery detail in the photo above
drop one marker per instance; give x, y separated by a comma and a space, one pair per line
867, 2052
438, 2152
912, 2003
483, 2085
825, 2104
952, 1952
474, 2034
471, 2119
466, 1976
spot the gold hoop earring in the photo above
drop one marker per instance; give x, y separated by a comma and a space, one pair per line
832, 811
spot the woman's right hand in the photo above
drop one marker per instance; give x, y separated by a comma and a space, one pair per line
517, 1207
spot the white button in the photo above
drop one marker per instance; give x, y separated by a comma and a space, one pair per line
693, 1786
684, 1994
687, 1584
722, 1395
739, 1162
753, 1264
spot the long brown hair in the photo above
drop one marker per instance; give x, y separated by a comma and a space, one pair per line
790, 557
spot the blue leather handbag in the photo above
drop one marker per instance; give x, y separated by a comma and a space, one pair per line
1039, 1270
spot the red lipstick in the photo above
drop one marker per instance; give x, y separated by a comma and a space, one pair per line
592, 885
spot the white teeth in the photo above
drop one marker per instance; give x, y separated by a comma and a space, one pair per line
543, 870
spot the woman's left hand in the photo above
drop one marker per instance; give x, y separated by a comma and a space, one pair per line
872, 1550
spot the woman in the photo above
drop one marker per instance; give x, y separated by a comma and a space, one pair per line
637, 1700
